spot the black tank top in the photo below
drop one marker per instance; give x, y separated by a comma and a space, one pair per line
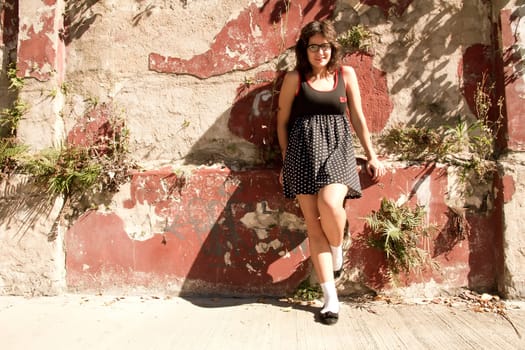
309, 101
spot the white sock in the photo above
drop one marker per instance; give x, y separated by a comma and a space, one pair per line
331, 301
337, 257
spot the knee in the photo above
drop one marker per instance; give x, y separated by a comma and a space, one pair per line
330, 205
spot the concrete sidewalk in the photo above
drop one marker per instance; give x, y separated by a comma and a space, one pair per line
77, 322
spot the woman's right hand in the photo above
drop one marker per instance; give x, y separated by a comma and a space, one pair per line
375, 168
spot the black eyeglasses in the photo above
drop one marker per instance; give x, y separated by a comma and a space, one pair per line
316, 47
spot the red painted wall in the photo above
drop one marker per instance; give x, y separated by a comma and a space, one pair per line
205, 247
40, 52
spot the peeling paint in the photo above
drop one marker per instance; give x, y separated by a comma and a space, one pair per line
402, 199
135, 219
264, 218
245, 239
213, 222
262, 44
227, 259
263, 247
423, 192
284, 254
263, 96
515, 138
250, 268
509, 188
255, 28
358, 6
41, 52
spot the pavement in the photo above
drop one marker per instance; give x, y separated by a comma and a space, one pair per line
76, 322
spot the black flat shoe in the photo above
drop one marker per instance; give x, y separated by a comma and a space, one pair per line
338, 273
329, 317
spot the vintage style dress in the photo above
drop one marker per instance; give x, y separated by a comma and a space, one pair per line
320, 149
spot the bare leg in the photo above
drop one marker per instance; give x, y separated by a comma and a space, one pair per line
333, 215
319, 246
333, 219
321, 256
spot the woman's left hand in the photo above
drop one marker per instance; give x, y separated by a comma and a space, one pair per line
375, 168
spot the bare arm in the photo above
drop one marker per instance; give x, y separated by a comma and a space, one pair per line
374, 166
286, 97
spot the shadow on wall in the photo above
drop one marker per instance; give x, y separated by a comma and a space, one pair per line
252, 119
434, 96
516, 57
78, 17
9, 44
22, 207
259, 232
257, 245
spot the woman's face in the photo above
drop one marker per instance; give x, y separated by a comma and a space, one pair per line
319, 51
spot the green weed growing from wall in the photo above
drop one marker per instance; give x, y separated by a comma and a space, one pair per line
397, 230
11, 117
66, 169
10, 148
468, 145
10, 152
357, 38
15, 83
63, 170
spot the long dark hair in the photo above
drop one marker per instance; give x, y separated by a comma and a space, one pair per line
326, 29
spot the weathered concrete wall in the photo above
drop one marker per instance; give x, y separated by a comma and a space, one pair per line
41, 59
512, 38
32, 261
513, 277
32, 255
197, 83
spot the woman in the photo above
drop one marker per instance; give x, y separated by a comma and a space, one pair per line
319, 167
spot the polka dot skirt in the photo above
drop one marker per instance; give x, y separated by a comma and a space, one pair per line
320, 152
